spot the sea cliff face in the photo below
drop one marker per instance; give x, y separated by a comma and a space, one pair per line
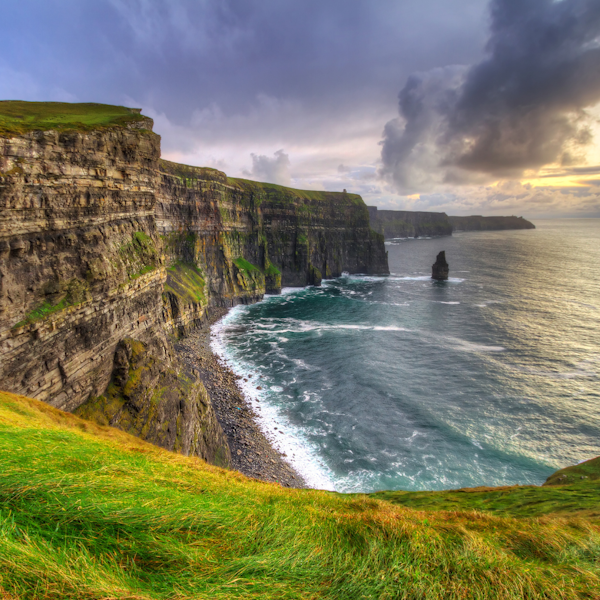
106, 252
82, 271
244, 238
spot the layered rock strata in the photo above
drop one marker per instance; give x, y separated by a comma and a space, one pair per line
245, 239
106, 252
82, 270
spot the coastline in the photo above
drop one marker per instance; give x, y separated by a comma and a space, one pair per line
252, 454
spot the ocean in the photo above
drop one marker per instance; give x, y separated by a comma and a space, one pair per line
399, 382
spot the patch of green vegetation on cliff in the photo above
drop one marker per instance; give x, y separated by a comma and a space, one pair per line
42, 311
302, 238
243, 265
284, 194
74, 292
91, 512
270, 273
18, 117
249, 277
187, 283
271, 270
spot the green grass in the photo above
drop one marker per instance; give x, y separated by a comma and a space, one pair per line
91, 512
271, 270
284, 194
18, 117
577, 474
243, 265
42, 311
139, 256
75, 292
187, 172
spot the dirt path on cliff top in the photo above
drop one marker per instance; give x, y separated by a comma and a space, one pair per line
251, 452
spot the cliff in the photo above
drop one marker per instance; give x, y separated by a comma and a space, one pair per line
479, 223
406, 223
246, 238
106, 252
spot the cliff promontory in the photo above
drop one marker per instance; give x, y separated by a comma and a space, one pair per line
107, 253
479, 223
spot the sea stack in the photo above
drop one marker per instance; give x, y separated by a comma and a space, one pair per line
440, 268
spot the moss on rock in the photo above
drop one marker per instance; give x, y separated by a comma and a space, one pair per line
153, 397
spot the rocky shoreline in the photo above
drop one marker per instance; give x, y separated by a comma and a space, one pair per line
251, 452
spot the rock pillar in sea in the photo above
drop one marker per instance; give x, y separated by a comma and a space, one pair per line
440, 268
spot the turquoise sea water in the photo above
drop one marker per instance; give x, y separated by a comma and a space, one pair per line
398, 382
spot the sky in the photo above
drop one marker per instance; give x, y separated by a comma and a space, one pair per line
464, 106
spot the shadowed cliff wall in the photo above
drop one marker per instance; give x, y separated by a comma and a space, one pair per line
246, 238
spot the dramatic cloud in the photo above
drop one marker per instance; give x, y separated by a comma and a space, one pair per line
227, 78
522, 107
272, 170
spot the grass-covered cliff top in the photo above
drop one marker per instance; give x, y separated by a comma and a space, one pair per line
91, 512
18, 117
274, 192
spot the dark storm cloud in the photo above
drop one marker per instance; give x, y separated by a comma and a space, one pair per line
522, 107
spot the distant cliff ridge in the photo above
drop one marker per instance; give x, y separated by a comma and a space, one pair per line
405, 223
479, 223
107, 252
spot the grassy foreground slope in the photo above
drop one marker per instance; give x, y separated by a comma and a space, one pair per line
91, 512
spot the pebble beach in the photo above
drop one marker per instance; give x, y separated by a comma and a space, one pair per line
251, 451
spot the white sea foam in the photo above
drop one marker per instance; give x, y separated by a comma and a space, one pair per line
299, 326
285, 437
422, 278
467, 346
